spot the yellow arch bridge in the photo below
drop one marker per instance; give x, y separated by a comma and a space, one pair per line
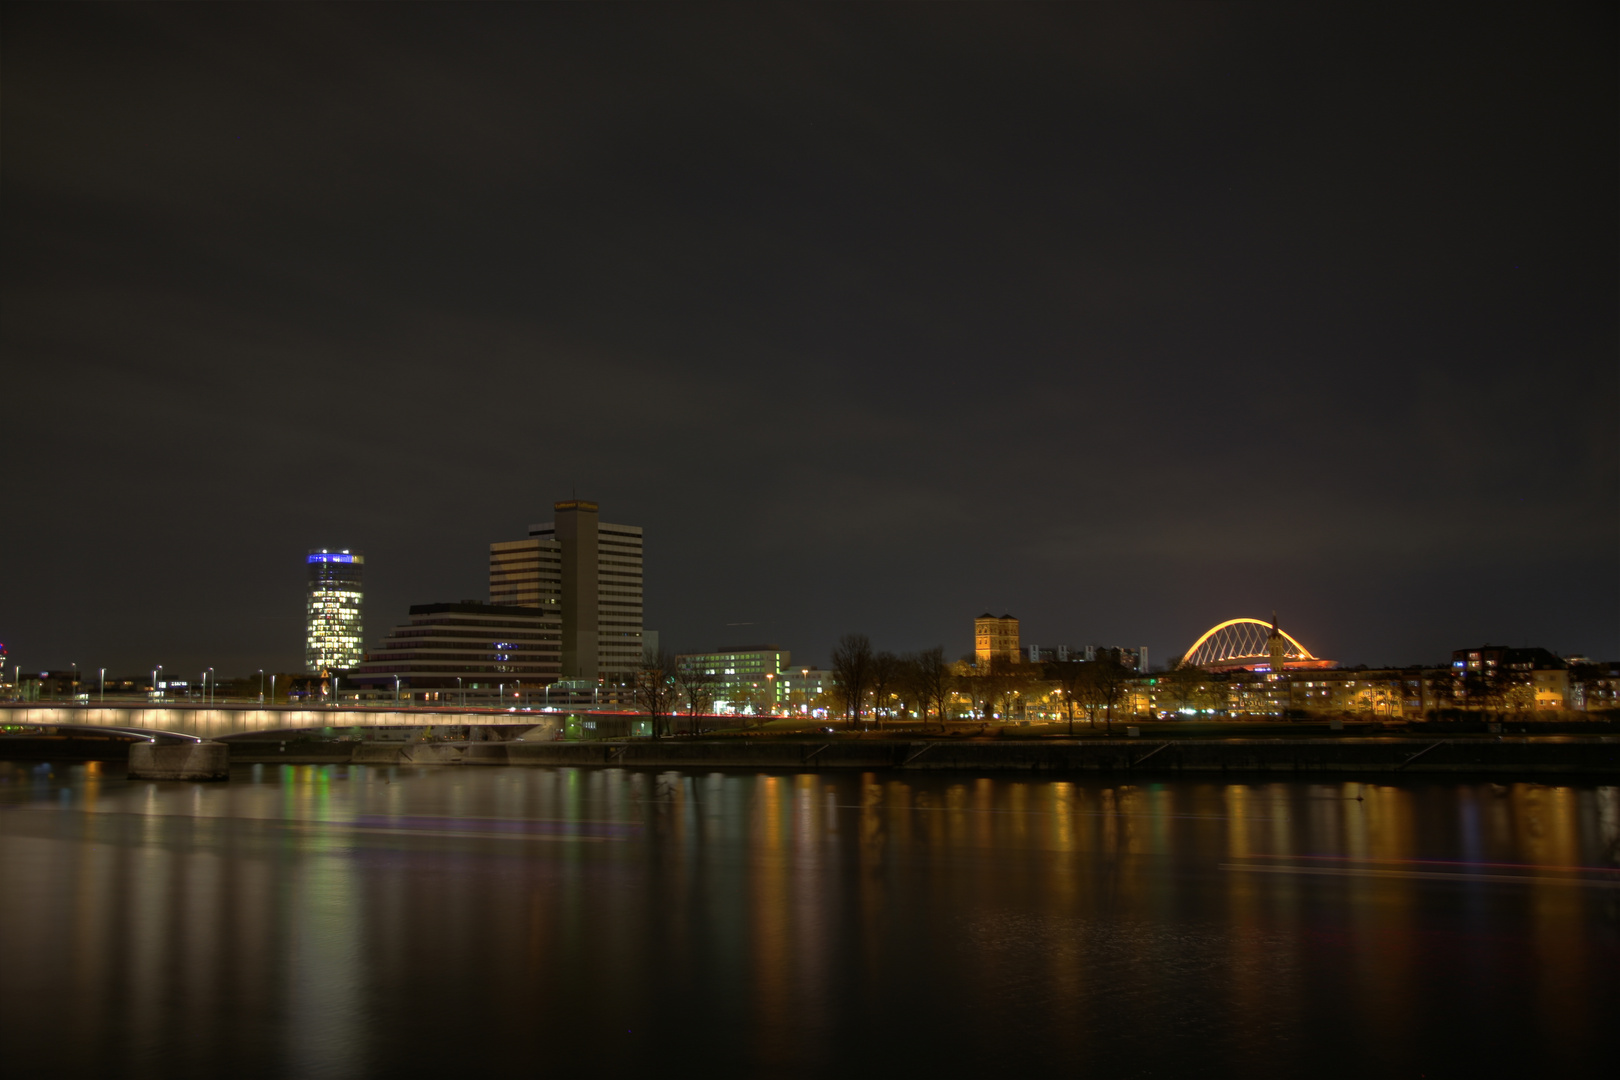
1246, 643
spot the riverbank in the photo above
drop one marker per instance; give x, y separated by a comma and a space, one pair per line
1504, 754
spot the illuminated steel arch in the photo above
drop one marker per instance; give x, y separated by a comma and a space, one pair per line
1241, 642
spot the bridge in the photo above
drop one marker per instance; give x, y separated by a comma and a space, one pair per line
1247, 644
201, 723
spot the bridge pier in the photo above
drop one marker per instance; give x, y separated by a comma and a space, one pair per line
179, 761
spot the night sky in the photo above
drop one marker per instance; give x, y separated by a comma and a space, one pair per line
1124, 320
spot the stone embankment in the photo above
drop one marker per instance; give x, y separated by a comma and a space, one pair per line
1507, 754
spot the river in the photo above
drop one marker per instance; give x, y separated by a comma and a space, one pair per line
361, 921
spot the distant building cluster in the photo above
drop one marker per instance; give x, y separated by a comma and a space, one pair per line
563, 627
563, 624
996, 641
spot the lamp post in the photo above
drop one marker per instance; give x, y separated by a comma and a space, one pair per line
461, 692
155, 673
103, 686
75, 688
261, 686
396, 689
272, 700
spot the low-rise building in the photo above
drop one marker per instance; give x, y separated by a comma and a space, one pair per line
805, 691
1594, 686
743, 678
467, 651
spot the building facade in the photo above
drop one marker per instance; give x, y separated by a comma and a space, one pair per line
805, 691
1501, 677
333, 631
995, 640
748, 677
589, 573
450, 653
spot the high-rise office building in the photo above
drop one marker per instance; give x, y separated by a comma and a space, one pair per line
589, 573
332, 628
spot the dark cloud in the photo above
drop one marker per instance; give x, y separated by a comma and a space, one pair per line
1124, 318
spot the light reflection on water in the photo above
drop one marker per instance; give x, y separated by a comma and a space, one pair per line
330, 921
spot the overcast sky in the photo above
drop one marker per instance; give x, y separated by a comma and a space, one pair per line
1122, 319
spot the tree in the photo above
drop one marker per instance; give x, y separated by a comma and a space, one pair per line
1108, 676
1070, 675
656, 688
1000, 683
1182, 685
938, 676
852, 665
1213, 691
697, 687
927, 677
1483, 688
885, 677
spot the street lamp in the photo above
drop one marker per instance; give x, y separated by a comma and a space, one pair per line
461, 693
212, 682
272, 690
261, 686
103, 686
75, 690
396, 689
155, 673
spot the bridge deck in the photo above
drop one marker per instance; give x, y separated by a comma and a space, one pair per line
223, 721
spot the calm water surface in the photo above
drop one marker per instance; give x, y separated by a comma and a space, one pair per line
349, 921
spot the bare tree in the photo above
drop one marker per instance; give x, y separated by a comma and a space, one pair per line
696, 685
934, 678
852, 665
927, 680
656, 688
1001, 683
1183, 684
1070, 675
885, 678
1108, 677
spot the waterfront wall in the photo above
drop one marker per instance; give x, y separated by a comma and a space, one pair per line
1595, 755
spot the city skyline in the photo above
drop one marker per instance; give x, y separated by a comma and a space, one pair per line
1126, 563
1147, 324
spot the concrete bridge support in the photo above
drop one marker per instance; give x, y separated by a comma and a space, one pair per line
179, 761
